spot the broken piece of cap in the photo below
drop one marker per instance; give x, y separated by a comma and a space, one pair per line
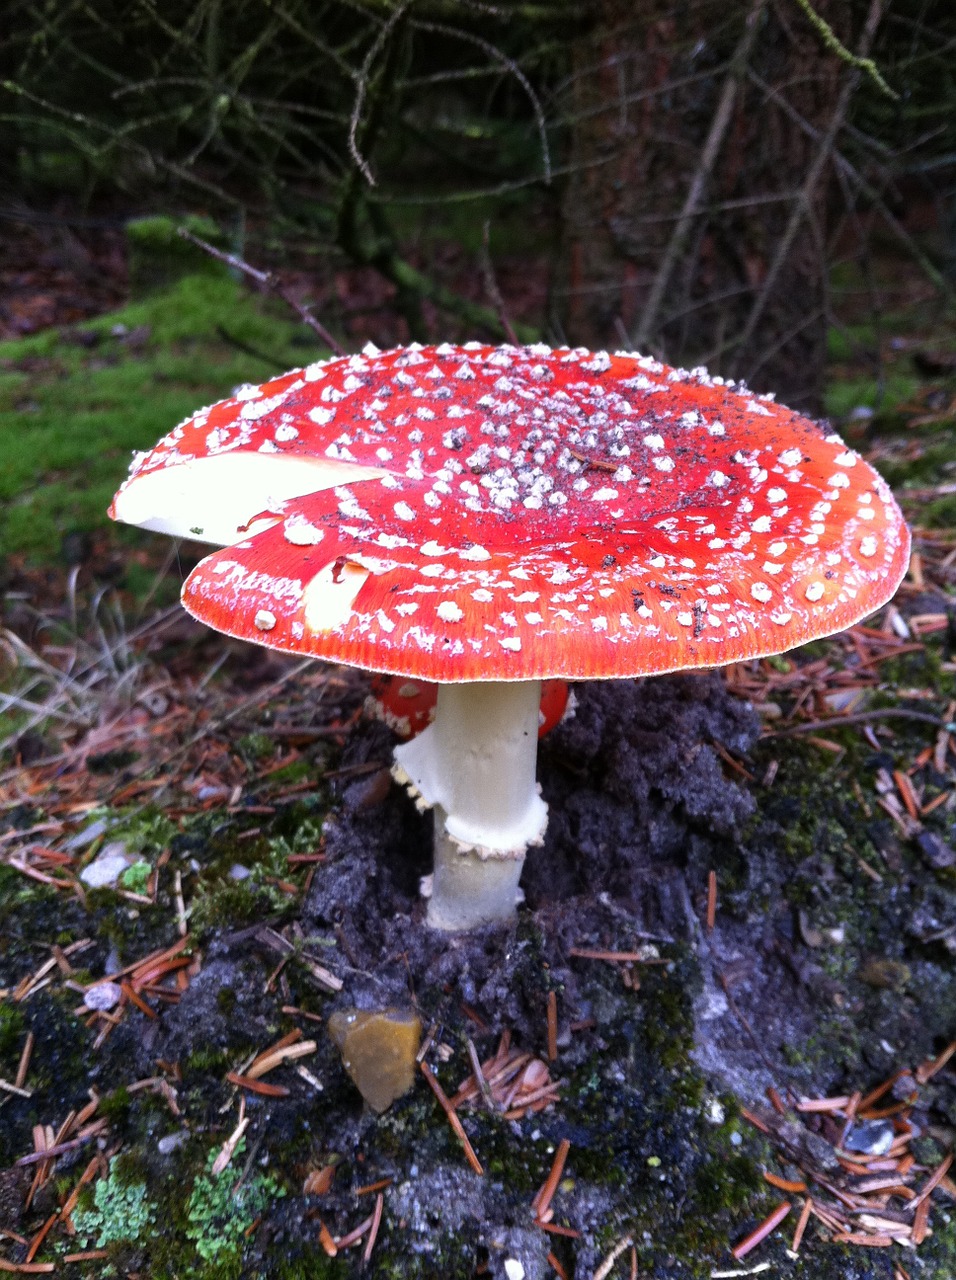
479, 513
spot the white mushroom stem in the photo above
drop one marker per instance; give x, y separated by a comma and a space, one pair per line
475, 764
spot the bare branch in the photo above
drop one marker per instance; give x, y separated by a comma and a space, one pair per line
491, 284
269, 282
361, 88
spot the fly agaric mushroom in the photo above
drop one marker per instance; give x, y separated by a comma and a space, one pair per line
491, 517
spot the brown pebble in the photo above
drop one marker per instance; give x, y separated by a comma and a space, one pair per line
890, 975
378, 1051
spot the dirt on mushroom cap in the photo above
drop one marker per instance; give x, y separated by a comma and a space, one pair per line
541, 514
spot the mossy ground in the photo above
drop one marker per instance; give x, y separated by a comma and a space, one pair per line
77, 403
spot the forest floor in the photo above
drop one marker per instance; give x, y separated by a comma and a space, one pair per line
716, 1041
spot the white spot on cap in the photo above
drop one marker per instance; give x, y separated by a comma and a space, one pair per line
321, 416
777, 548
664, 464
404, 511
868, 546
790, 457
761, 592
718, 479
814, 591
781, 617
448, 611
511, 642
776, 495
265, 621
603, 495
761, 524
654, 442
301, 532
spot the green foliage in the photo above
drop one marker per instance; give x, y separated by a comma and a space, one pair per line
220, 1211
136, 877
120, 1213
12, 1027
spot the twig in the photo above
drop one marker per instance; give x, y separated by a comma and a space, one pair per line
453, 1120
459, 33
483, 1085
835, 45
269, 282
491, 284
607, 1266
542, 1201
770, 1223
361, 88
861, 717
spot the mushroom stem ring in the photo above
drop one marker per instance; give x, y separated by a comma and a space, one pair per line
475, 764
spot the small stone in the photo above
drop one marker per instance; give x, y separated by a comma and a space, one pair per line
513, 1269
870, 1137
166, 1146
105, 870
937, 852
886, 974
102, 996
378, 1051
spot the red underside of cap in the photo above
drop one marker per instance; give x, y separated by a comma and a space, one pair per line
545, 514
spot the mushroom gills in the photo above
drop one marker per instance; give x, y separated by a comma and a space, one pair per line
475, 764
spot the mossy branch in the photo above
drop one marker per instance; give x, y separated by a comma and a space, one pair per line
837, 47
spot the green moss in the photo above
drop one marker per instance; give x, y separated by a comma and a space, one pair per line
159, 255
74, 412
209, 1059
115, 1105
12, 1030
136, 877
118, 1211
220, 1210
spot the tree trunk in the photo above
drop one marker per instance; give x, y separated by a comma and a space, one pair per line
700, 145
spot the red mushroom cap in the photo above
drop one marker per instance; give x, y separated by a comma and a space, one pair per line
518, 513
